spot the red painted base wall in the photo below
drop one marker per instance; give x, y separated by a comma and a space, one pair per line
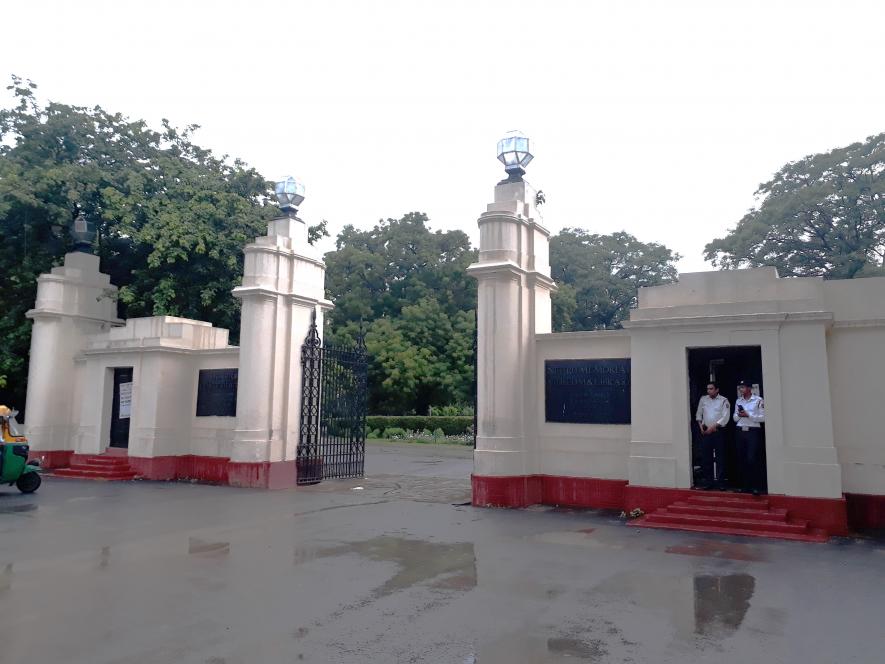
51, 458
831, 514
209, 470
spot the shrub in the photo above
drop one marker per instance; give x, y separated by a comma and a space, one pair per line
394, 433
451, 425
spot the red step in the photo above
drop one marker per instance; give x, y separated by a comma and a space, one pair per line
97, 467
730, 514
95, 474
812, 535
720, 500
664, 516
737, 512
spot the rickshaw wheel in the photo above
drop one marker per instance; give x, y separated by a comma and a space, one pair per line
29, 482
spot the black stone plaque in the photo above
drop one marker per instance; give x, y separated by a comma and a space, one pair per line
217, 393
587, 391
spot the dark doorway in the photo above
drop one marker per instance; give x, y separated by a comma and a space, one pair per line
726, 365
121, 410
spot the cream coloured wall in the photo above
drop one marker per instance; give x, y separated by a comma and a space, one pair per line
856, 351
166, 354
579, 450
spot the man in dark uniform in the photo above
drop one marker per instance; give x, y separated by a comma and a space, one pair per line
749, 414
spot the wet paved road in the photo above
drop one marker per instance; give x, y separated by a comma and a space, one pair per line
399, 571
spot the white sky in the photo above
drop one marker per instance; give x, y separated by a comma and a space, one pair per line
658, 118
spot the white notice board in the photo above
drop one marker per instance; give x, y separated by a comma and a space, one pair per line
125, 401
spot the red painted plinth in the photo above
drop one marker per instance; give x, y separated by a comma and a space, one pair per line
865, 510
262, 475
525, 490
830, 514
583, 492
51, 458
211, 470
514, 491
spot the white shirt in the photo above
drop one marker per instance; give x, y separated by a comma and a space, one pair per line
755, 408
713, 410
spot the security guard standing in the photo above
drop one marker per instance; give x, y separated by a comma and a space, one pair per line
749, 413
712, 416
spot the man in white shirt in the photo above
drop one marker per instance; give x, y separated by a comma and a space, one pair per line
749, 413
712, 416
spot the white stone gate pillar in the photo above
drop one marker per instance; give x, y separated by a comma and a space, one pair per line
283, 284
513, 304
73, 302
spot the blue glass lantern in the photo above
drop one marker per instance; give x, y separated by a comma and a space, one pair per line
514, 153
290, 194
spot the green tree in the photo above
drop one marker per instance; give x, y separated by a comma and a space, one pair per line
600, 275
377, 272
410, 287
171, 217
823, 215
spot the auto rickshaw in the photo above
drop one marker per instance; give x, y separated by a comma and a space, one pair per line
14, 465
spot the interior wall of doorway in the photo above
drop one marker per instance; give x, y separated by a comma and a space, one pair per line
726, 365
121, 407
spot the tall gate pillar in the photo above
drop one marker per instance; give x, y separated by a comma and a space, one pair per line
513, 305
283, 285
73, 301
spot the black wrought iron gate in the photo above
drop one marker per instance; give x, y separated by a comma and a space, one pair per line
332, 440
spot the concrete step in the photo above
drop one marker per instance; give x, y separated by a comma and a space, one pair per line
810, 535
96, 473
101, 460
728, 500
769, 514
715, 520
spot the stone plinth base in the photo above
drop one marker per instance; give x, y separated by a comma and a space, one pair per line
50, 459
205, 469
830, 514
262, 475
525, 490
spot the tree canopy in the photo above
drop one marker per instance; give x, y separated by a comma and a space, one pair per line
410, 288
171, 217
599, 276
823, 215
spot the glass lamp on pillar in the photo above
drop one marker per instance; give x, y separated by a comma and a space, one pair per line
513, 152
83, 233
290, 194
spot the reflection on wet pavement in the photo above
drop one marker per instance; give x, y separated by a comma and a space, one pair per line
199, 547
6, 578
524, 648
418, 560
719, 549
721, 602
17, 509
710, 605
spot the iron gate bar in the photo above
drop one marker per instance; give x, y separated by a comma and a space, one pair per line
333, 410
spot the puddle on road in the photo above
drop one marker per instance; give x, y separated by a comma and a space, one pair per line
720, 549
709, 605
6, 578
17, 509
104, 557
539, 650
449, 566
208, 549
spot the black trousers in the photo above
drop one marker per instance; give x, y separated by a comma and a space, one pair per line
751, 451
710, 444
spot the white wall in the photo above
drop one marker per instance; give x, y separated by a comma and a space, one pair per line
580, 450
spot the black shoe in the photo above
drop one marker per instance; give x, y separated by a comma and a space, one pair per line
756, 492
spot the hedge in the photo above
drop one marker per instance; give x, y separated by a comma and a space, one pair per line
451, 425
